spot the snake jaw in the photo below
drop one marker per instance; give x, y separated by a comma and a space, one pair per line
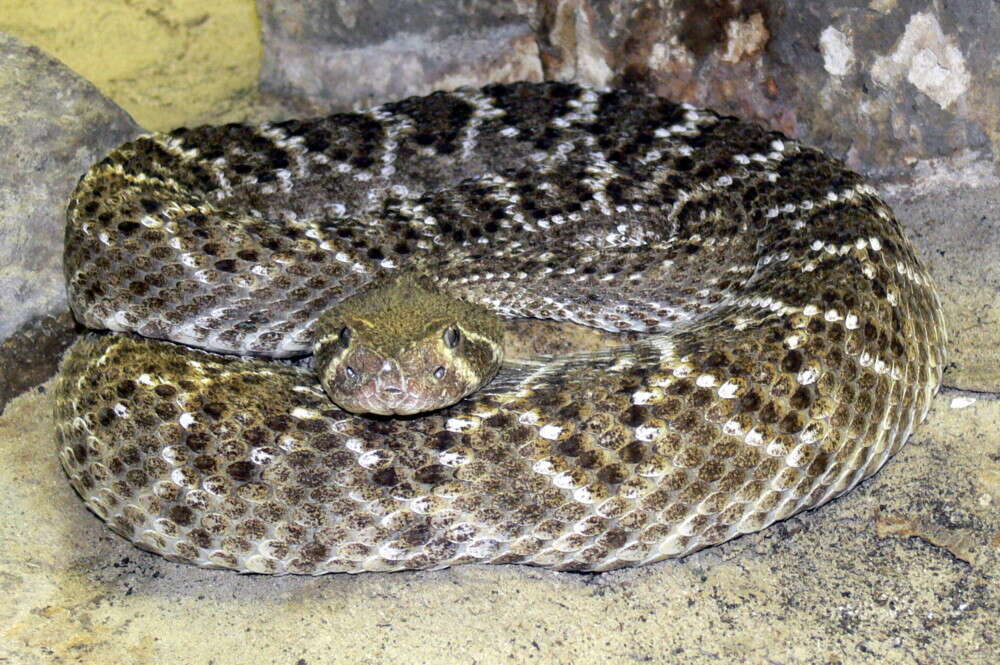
425, 376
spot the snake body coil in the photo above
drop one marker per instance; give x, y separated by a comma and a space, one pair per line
793, 339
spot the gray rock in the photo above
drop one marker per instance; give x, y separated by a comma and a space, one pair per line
53, 125
31, 355
890, 85
352, 53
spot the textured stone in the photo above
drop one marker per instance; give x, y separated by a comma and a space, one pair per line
352, 53
53, 125
888, 85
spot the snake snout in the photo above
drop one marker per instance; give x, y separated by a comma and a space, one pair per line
390, 379
392, 391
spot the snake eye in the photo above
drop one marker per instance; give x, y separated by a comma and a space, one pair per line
439, 373
352, 373
452, 337
345, 336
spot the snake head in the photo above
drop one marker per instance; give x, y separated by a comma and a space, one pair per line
401, 347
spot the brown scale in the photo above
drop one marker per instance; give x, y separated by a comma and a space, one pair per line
752, 400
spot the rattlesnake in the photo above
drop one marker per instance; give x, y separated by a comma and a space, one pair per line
790, 338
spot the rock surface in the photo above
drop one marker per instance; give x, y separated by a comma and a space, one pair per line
957, 231
892, 85
53, 126
348, 54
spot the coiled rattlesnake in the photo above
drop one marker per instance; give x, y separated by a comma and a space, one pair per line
793, 338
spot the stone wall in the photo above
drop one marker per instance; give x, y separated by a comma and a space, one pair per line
896, 87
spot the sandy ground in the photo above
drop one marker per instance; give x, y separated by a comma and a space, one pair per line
902, 570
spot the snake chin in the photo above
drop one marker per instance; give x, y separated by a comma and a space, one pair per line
423, 377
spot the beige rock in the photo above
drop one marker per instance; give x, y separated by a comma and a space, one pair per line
166, 62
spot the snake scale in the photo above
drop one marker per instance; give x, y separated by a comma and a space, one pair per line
789, 338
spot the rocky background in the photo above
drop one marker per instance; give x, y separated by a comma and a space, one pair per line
896, 88
903, 570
